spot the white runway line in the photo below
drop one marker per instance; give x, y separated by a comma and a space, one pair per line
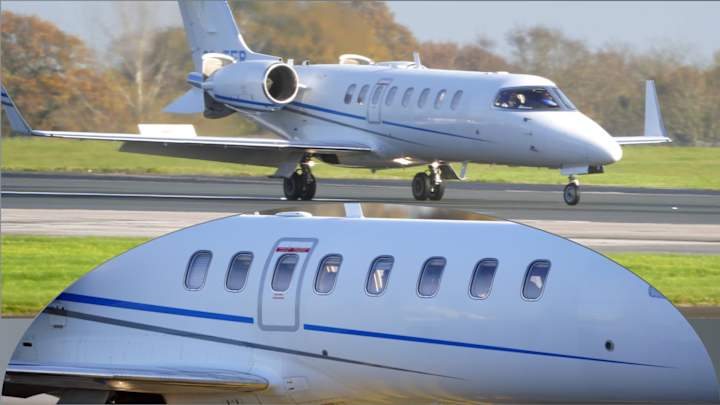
161, 196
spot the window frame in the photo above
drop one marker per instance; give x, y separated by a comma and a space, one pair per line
422, 101
350, 94
275, 269
408, 93
390, 96
492, 280
455, 101
524, 280
227, 274
320, 266
362, 94
187, 269
371, 271
422, 272
440, 99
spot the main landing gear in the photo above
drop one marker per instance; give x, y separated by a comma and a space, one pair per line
571, 193
428, 185
301, 185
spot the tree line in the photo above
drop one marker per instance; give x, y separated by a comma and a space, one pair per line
61, 84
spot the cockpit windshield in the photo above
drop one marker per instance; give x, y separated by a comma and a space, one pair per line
533, 98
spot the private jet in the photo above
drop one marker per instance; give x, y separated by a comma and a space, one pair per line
366, 114
295, 308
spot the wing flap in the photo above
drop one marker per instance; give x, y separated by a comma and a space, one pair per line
132, 379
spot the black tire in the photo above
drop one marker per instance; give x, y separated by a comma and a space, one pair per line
571, 194
437, 192
309, 188
293, 186
421, 186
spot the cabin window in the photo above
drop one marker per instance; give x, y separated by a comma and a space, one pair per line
532, 98
535, 279
376, 94
284, 271
378, 276
363, 94
440, 98
456, 100
391, 96
327, 274
430, 277
238, 271
482, 278
197, 270
406, 96
422, 100
349, 93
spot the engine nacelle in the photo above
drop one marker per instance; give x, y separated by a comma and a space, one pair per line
256, 84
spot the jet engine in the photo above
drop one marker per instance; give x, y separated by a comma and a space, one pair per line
261, 84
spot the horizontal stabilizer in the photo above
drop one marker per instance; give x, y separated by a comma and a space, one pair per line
156, 380
654, 131
191, 102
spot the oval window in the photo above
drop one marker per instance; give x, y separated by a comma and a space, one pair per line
390, 96
197, 270
327, 273
482, 278
422, 100
379, 274
284, 271
440, 98
406, 96
535, 279
238, 271
363, 94
456, 100
430, 277
349, 93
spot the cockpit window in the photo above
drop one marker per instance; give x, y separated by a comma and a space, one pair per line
533, 98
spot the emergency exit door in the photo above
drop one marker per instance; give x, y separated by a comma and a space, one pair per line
279, 302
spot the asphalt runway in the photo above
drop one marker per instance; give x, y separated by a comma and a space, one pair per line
214, 194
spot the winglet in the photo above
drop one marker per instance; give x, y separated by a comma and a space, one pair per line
654, 126
17, 122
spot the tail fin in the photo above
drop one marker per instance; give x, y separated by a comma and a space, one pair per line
210, 28
17, 122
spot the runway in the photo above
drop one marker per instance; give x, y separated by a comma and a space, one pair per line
608, 218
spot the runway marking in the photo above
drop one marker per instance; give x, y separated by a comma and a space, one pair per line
615, 193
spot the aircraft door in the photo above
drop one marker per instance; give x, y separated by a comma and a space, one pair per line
374, 105
279, 297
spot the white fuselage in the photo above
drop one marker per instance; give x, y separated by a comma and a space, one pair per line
596, 333
475, 130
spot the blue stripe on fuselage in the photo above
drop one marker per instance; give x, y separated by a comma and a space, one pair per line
404, 338
106, 302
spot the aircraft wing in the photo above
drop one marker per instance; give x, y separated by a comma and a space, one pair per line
654, 127
176, 134
154, 380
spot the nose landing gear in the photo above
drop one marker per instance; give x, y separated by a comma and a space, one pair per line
301, 185
428, 185
571, 193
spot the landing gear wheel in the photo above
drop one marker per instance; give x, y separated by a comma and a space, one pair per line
421, 186
437, 192
293, 186
309, 187
571, 194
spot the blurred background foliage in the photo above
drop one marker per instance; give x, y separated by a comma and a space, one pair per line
60, 83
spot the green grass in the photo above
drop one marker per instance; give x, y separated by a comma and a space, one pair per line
642, 166
38, 268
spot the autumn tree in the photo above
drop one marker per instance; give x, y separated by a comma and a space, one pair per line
55, 78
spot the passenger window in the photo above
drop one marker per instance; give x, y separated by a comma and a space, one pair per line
482, 278
456, 100
284, 271
406, 96
238, 271
363, 94
376, 94
391, 96
327, 273
378, 276
535, 279
430, 277
423, 98
440, 98
197, 270
349, 93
